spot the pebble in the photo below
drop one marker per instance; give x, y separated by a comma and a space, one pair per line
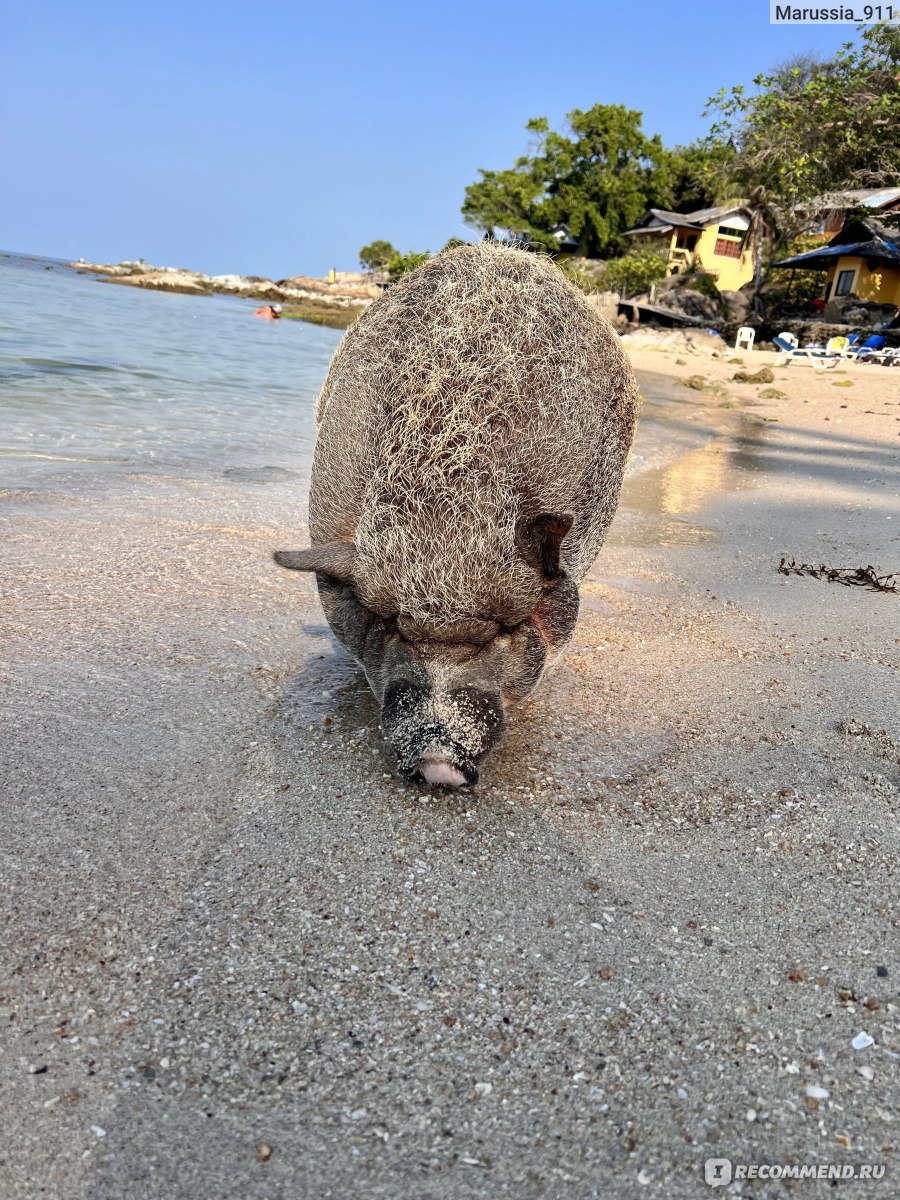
483, 1089
98, 1132
817, 1093
866, 1072
863, 1041
263, 1152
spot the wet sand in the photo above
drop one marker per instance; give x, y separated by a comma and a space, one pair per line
240, 958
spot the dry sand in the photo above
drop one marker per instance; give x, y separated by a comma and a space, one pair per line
241, 959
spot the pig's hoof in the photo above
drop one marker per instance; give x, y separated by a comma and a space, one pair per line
435, 769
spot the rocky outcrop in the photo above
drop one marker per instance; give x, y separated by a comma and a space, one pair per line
691, 302
679, 341
348, 290
737, 308
850, 310
606, 304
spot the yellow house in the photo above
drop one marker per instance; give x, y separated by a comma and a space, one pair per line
863, 260
716, 239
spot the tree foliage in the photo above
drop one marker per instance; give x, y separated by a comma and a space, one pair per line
597, 177
377, 255
690, 177
400, 264
813, 127
634, 273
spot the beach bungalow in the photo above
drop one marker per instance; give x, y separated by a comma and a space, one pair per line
715, 239
831, 210
862, 260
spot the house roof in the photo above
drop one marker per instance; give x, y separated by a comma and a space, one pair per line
862, 238
660, 220
874, 198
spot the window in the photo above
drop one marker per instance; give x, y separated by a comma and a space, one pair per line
726, 248
844, 283
730, 231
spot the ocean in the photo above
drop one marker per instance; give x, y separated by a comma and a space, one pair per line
114, 392
99, 380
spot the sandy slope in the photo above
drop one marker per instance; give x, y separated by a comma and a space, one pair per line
663, 917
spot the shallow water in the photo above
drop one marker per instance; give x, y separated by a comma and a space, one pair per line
97, 379
102, 384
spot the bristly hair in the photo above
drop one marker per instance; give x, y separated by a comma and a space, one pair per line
480, 390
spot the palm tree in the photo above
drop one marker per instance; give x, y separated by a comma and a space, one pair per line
764, 224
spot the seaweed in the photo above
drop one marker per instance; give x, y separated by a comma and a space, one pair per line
849, 576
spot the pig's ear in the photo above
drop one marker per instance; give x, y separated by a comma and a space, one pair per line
335, 559
540, 540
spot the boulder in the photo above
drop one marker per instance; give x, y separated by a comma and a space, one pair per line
605, 303
690, 302
737, 308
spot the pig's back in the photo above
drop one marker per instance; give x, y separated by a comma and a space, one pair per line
479, 390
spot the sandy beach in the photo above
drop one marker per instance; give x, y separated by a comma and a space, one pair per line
241, 958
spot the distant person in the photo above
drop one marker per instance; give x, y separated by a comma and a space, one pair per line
332, 275
269, 312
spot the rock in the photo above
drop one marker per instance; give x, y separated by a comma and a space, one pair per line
850, 310
690, 302
605, 303
763, 375
697, 382
680, 341
737, 307
772, 394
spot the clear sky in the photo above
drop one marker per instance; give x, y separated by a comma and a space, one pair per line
278, 138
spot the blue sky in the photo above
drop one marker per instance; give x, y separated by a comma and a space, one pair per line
278, 138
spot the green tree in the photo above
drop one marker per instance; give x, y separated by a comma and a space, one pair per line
598, 178
400, 264
814, 126
377, 255
811, 129
690, 176
635, 273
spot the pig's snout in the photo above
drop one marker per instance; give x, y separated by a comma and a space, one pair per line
440, 738
435, 768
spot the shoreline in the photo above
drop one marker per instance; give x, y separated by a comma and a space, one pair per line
305, 298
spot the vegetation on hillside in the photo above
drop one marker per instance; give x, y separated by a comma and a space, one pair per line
811, 128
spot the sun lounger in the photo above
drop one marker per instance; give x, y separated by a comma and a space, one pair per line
871, 346
817, 355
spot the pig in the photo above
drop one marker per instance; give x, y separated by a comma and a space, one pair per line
472, 436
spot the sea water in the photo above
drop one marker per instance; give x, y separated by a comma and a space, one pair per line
106, 388
99, 380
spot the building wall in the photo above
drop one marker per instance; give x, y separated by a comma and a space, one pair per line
870, 281
731, 272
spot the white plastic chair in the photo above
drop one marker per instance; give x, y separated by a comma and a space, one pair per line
744, 339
